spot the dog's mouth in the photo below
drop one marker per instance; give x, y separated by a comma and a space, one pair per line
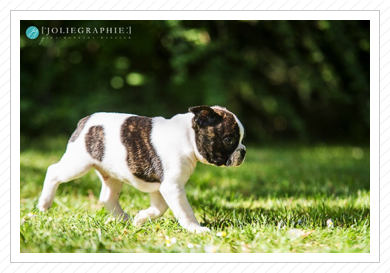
236, 159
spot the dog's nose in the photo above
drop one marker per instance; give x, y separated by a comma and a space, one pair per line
243, 153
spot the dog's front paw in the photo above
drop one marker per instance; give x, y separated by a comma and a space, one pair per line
140, 218
195, 228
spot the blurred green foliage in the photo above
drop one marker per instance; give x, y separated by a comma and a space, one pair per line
296, 80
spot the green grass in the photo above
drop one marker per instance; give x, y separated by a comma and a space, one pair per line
279, 200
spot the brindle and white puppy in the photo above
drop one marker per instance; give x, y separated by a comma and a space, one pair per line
155, 155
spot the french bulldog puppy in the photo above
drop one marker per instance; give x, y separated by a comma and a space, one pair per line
155, 155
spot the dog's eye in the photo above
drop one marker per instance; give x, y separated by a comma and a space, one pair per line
228, 140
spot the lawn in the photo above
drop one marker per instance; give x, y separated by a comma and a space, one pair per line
289, 198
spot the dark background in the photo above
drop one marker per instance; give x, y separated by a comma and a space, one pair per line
285, 80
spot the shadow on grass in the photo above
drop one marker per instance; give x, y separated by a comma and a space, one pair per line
317, 215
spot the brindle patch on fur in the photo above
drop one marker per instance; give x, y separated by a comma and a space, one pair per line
94, 141
80, 127
209, 139
142, 158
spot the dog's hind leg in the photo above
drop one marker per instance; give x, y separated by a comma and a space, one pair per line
109, 196
71, 166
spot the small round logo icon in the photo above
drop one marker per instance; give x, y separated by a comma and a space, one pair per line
32, 32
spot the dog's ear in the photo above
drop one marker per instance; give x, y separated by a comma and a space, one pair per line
205, 115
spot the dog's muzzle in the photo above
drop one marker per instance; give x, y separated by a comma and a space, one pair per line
237, 157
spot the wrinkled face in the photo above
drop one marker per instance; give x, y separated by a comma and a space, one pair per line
218, 135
